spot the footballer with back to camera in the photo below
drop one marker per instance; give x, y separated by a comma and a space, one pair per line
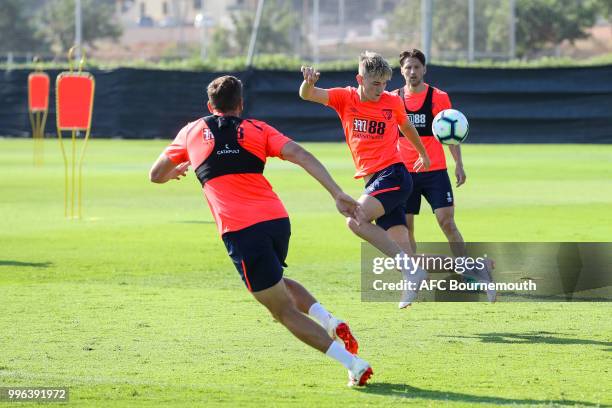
228, 154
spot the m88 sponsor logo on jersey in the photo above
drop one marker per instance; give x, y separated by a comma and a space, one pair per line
418, 119
371, 127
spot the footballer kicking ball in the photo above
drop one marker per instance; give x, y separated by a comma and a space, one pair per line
450, 127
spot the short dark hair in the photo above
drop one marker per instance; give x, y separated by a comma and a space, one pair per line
225, 93
413, 53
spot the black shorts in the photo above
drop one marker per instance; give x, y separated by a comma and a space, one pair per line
391, 186
435, 186
259, 252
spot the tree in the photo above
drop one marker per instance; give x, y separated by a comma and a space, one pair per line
540, 24
275, 31
220, 43
56, 23
543, 23
605, 8
16, 29
405, 22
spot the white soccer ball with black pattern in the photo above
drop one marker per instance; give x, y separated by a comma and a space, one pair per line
450, 127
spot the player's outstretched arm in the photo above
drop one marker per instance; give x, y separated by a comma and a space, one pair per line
412, 135
164, 170
308, 90
295, 153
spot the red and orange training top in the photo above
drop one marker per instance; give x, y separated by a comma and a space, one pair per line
414, 103
370, 128
236, 201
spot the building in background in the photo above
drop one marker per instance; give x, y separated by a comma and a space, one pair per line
177, 29
155, 29
172, 13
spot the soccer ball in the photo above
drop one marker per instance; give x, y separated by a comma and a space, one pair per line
450, 127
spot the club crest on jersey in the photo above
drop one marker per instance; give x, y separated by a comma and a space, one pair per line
207, 134
387, 113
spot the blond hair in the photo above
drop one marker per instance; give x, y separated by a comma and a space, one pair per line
372, 64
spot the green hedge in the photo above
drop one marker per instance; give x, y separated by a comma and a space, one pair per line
284, 62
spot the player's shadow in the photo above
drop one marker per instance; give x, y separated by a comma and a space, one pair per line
539, 337
27, 264
569, 297
410, 392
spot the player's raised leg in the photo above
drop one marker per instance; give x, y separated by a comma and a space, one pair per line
379, 238
402, 235
375, 235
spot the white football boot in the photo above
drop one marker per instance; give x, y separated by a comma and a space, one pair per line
409, 295
484, 276
359, 373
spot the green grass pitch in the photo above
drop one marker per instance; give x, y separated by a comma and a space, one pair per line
138, 304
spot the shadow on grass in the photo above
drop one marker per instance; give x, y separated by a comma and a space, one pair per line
540, 337
407, 391
30, 264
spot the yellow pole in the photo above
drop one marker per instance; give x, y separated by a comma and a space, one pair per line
41, 135
81, 167
73, 172
73, 183
59, 137
33, 123
82, 62
36, 142
39, 125
42, 121
70, 54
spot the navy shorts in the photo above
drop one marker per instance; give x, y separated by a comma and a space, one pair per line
435, 186
259, 252
391, 186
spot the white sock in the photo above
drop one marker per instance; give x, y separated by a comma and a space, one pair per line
338, 353
320, 313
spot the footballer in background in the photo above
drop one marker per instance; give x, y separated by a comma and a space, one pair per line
423, 102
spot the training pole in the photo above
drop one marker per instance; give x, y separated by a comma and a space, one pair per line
38, 107
75, 94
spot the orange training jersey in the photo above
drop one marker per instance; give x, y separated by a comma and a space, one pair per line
236, 201
370, 128
414, 103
